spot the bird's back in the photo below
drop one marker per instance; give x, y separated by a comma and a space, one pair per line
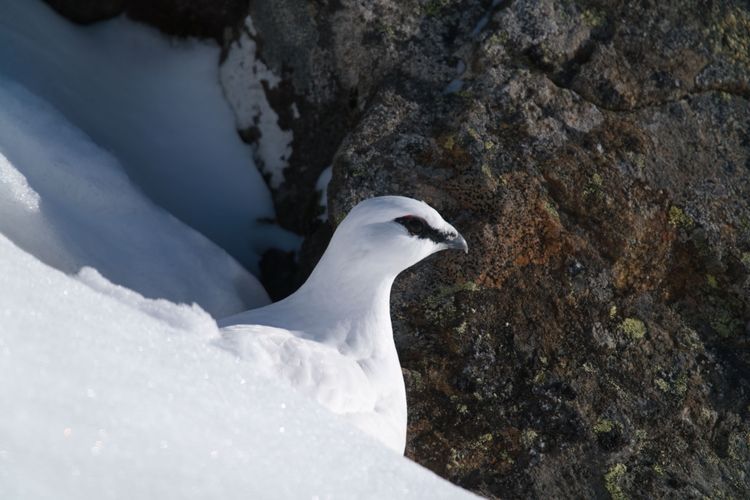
317, 370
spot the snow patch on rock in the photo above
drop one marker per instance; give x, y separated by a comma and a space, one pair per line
322, 187
243, 77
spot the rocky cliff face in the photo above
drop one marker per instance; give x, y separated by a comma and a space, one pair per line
596, 155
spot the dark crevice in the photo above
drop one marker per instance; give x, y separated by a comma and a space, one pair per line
570, 68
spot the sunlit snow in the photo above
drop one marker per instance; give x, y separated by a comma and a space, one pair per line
105, 394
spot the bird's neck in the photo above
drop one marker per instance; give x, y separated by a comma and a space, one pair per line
352, 306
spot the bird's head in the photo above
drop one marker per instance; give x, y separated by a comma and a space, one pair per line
392, 233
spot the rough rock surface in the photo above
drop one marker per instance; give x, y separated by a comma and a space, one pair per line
596, 156
594, 341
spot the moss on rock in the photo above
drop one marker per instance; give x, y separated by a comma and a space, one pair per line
633, 328
612, 480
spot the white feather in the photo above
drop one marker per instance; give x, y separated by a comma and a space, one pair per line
332, 339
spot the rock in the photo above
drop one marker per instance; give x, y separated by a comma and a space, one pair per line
88, 11
203, 18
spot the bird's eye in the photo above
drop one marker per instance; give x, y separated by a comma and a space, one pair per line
414, 225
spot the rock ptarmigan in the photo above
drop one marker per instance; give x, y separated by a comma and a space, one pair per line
332, 339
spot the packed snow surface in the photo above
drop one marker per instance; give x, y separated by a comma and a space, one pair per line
157, 105
105, 394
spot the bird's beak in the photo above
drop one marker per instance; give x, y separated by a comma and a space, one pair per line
458, 243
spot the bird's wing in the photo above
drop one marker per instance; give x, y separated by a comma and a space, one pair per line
317, 370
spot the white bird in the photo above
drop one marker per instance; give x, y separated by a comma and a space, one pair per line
332, 339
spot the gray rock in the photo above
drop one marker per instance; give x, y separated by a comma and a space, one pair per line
88, 11
202, 18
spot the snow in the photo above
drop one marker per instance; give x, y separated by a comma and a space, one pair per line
106, 394
322, 187
243, 77
156, 104
68, 202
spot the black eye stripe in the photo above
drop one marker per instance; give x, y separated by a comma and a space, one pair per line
417, 226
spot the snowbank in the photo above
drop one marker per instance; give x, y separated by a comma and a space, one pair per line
68, 202
157, 105
105, 394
